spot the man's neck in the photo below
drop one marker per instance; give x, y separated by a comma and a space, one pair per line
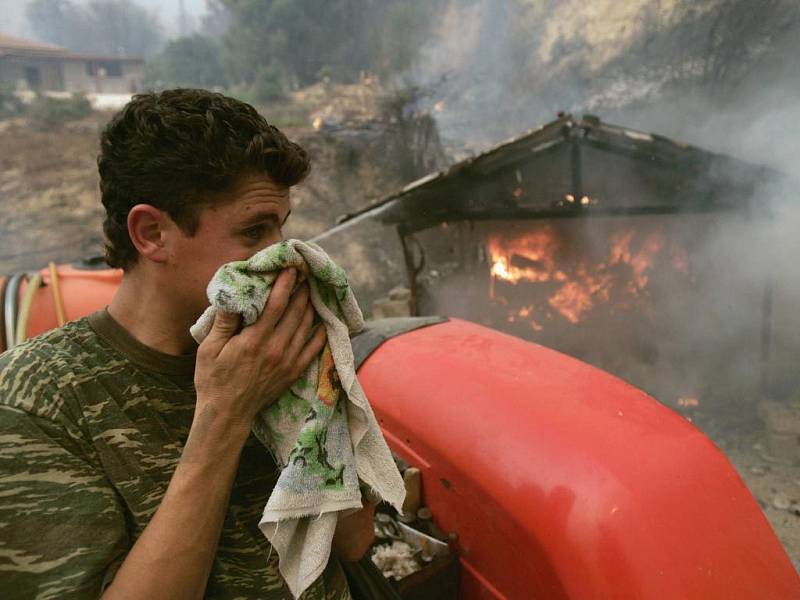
152, 317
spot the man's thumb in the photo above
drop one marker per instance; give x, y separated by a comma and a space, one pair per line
225, 325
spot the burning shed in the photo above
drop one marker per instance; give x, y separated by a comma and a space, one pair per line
625, 249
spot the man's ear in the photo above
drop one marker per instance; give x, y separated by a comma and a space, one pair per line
148, 229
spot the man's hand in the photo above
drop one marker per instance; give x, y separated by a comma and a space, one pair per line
355, 533
239, 374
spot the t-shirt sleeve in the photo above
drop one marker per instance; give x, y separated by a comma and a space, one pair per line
62, 527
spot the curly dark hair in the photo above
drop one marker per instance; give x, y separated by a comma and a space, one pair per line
180, 150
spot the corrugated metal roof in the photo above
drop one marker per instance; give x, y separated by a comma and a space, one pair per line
587, 130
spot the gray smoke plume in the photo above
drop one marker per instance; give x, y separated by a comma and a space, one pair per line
718, 74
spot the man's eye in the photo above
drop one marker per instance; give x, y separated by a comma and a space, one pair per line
255, 233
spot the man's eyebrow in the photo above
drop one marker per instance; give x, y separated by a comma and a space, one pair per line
264, 215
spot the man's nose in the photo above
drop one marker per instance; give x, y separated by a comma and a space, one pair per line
273, 239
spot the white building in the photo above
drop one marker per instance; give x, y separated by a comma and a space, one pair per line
25, 64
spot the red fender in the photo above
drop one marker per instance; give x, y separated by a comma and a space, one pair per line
563, 481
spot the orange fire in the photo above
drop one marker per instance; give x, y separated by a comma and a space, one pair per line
526, 313
538, 248
688, 402
533, 257
577, 296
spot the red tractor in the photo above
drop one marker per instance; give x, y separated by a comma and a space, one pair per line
559, 480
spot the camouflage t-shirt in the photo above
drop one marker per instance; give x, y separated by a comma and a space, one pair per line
92, 425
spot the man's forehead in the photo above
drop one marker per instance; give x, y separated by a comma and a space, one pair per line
254, 195
254, 192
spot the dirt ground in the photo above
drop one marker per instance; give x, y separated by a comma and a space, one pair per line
51, 211
48, 184
775, 486
361, 149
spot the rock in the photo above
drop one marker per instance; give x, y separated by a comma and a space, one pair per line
385, 308
400, 293
781, 502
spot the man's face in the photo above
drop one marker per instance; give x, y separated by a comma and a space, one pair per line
234, 229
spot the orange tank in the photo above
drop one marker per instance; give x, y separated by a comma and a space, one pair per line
80, 289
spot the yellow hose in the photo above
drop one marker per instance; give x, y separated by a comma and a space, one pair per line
57, 294
25, 307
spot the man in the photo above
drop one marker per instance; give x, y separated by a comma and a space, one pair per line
127, 466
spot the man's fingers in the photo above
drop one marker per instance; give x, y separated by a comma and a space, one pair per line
277, 302
293, 315
302, 333
313, 348
224, 327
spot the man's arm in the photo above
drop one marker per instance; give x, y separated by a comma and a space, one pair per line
237, 375
173, 556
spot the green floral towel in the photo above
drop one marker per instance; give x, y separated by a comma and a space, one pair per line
322, 432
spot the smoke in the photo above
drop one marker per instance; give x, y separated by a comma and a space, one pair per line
717, 74
471, 68
13, 20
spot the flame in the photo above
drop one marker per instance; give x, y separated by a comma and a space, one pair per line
439, 106
317, 123
536, 250
688, 402
500, 269
576, 297
533, 257
526, 313
640, 261
583, 200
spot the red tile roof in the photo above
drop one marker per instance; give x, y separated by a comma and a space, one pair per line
14, 46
